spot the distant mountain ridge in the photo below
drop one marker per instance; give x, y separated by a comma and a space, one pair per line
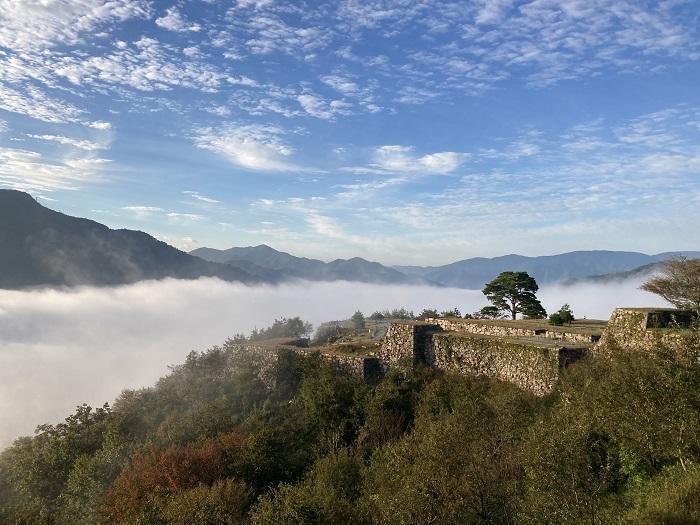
471, 273
476, 272
42, 247
292, 267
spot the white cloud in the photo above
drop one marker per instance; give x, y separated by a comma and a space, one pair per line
341, 84
145, 65
174, 21
101, 125
251, 146
324, 225
86, 145
320, 108
142, 212
186, 217
30, 171
262, 32
33, 102
402, 159
196, 195
30, 26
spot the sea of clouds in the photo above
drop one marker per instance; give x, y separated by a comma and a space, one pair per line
60, 348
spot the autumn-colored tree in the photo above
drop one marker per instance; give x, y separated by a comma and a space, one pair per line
678, 283
157, 474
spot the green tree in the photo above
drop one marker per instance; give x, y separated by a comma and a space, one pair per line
678, 283
327, 495
563, 316
427, 313
514, 293
489, 312
358, 320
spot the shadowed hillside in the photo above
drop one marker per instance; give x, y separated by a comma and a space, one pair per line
43, 247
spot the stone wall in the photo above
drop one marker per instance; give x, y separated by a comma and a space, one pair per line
265, 357
533, 368
369, 368
406, 340
475, 326
629, 328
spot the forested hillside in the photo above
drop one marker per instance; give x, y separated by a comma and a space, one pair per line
617, 442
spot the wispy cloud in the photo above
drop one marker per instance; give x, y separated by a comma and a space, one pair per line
323, 109
401, 159
141, 212
253, 147
34, 102
86, 145
31, 171
28, 26
174, 21
202, 198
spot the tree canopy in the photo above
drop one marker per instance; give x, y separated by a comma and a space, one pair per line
563, 316
617, 441
514, 293
678, 283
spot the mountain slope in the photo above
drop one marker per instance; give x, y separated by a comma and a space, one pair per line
355, 269
642, 272
39, 246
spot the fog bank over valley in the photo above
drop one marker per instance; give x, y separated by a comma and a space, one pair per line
60, 348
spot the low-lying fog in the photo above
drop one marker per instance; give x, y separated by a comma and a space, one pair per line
60, 348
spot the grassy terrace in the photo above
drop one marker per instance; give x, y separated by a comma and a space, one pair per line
359, 345
583, 326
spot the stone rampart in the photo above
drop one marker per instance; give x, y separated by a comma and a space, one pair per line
496, 329
406, 340
646, 328
369, 368
265, 357
531, 367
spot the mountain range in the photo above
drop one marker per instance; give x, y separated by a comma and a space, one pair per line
566, 267
474, 273
265, 258
42, 247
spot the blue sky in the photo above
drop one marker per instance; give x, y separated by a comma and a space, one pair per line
402, 131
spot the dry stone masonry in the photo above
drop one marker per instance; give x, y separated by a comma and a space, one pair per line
645, 328
527, 355
532, 364
511, 329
